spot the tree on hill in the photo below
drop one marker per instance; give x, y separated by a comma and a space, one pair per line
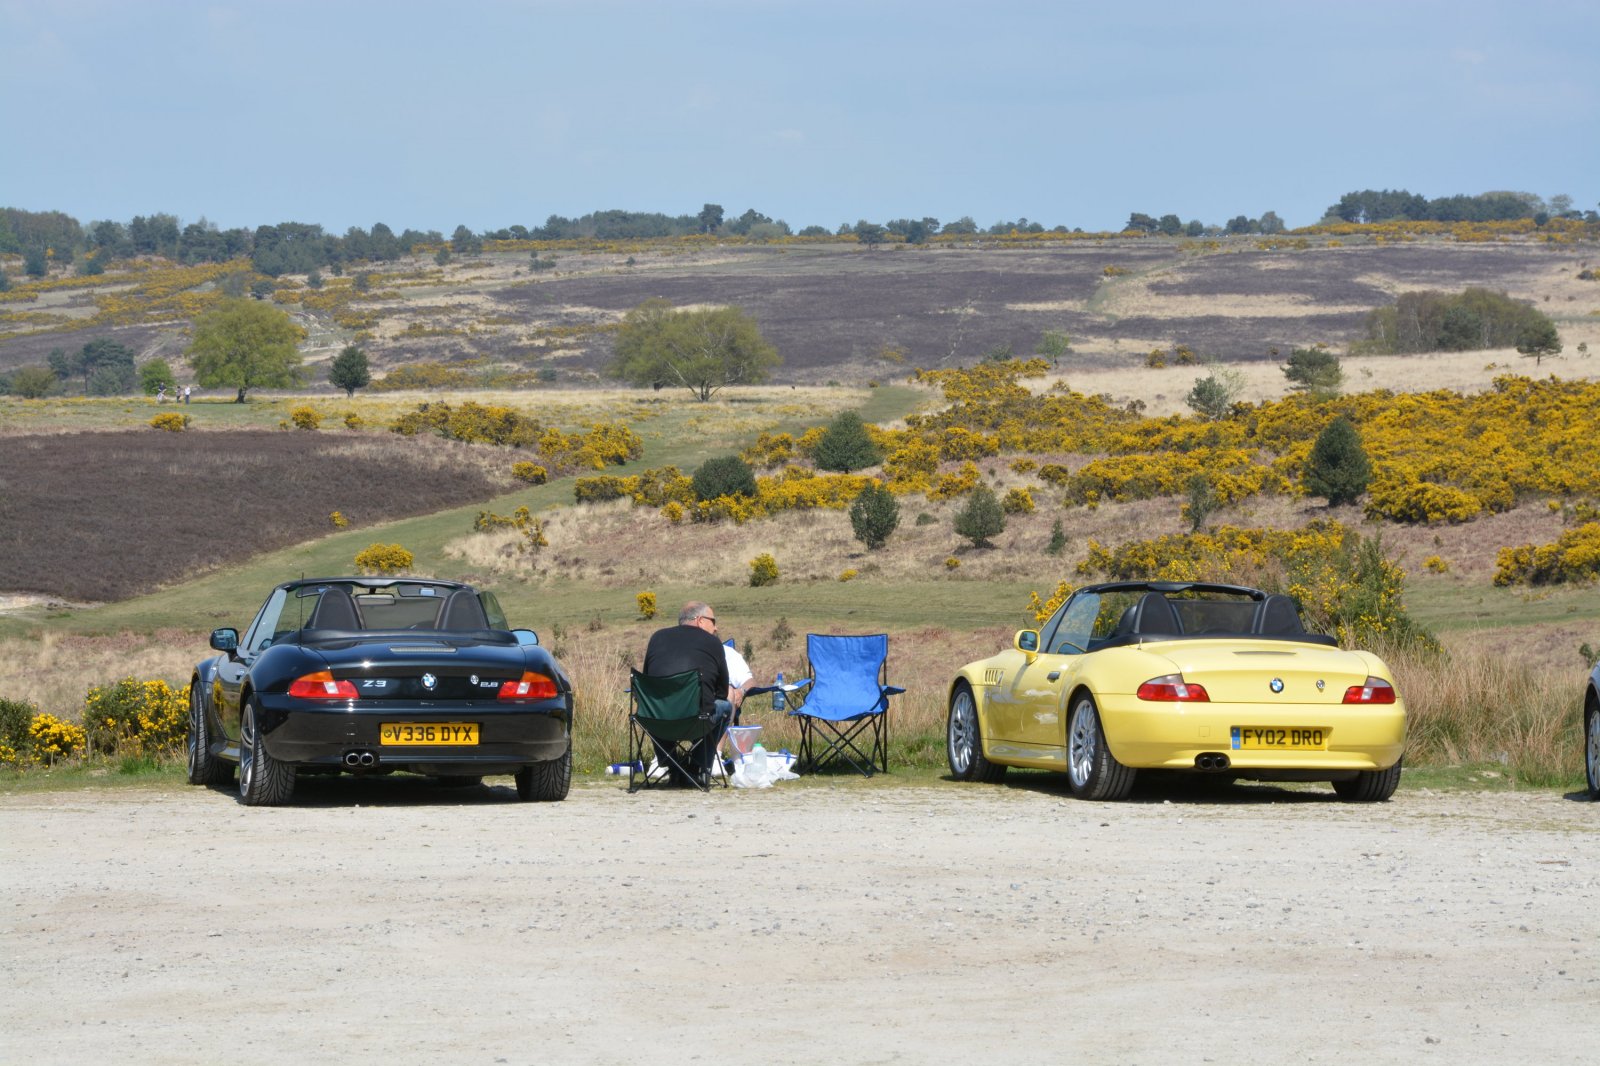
1315, 371
1539, 339
156, 375
874, 514
702, 351
33, 382
981, 517
105, 366
349, 370
1213, 395
845, 445
1337, 468
244, 345
870, 233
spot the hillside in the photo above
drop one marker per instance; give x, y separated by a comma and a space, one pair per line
836, 311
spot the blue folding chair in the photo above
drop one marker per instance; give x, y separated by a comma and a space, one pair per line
843, 707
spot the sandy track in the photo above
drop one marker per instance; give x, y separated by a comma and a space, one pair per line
876, 922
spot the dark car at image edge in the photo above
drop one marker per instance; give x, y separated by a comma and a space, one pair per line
368, 675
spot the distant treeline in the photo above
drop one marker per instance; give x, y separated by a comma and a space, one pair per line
1389, 205
42, 237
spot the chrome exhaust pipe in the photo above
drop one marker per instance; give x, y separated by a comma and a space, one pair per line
368, 759
360, 760
352, 759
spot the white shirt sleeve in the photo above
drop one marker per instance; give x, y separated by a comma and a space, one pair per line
738, 670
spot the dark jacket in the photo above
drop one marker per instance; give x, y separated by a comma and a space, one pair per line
678, 648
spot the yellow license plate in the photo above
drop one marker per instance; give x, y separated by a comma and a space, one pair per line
428, 733
1274, 738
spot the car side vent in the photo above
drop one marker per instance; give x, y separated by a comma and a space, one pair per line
993, 675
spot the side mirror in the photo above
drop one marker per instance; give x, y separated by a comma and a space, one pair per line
526, 637
226, 639
1027, 642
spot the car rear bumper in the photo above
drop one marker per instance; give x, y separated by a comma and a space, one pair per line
508, 736
1172, 735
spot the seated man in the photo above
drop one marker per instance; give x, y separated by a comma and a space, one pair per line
692, 645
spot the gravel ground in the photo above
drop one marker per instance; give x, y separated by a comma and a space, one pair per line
882, 922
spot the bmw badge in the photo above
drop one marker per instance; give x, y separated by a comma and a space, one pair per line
429, 681
1276, 684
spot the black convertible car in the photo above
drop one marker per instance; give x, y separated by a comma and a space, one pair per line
369, 675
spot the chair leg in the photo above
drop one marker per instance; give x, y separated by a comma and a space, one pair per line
843, 742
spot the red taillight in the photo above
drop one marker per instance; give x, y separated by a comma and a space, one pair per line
321, 686
1376, 690
1171, 688
531, 687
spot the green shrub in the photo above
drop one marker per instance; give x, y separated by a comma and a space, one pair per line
846, 446
15, 717
725, 475
1337, 468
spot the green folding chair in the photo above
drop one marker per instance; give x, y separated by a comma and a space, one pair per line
665, 722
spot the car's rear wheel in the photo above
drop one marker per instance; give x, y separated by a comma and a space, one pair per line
1591, 747
263, 780
204, 767
1369, 786
964, 741
546, 782
1094, 772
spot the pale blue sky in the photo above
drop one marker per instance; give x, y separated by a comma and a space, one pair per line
431, 115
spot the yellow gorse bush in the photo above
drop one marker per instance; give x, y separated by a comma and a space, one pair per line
171, 421
1573, 557
51, 739
135, 717
383, 559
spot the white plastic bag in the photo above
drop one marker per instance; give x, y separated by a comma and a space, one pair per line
780, 767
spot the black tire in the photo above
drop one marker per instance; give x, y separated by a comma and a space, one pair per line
1591, 748
205, 768
458, 780
1369, 786
963, 741
1094, 772
546, 782
263, 780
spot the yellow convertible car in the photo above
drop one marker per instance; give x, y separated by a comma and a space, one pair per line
1206, 678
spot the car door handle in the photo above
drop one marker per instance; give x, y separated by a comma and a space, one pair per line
1054, 675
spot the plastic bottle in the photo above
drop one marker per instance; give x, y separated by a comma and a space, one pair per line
757, 770
777, 695
621, 768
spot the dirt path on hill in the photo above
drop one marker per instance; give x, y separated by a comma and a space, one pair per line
393, 921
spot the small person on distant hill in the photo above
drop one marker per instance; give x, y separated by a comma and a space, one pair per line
161, 394
186, 394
